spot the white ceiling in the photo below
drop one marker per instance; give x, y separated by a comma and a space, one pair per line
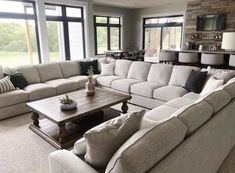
136, 3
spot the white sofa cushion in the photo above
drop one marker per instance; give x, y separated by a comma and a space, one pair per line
103, 140
107, 80
160, 113
139, 70
121, 68
124, 85
107, 69
13, 98
29, 72
192, 95
40, 90
194, 115
229, 87
70, 68
81, 80
145, 88
79, 147
180, 102
211, 85
63, 85
147, 147
49, 71
168, 93
160, 73
180, 75
217, 99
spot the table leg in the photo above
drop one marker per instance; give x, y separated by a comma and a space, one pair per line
35, 118
124, 107
62, 133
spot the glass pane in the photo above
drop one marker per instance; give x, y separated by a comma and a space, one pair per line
102, 40
56, 41
114, 20
73, 12
171, 38
114, 34
101, 20
152, 41
52, 10
76, 40
163, 20
18, 45
16, 7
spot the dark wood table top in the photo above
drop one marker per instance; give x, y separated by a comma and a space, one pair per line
50, 107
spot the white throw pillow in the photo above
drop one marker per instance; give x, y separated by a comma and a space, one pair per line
211, 85
6, 85
1, 72
79, 147
107, 69
104, 140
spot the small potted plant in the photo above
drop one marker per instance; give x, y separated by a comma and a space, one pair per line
67, 103
90, 86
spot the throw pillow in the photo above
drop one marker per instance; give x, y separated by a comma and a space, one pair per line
107, 69
6, 85
18, 80
84, 66
195, 81
226, 76
79, 147
211, 85
103, 141
1, 72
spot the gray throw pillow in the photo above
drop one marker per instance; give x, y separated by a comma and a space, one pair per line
104, 140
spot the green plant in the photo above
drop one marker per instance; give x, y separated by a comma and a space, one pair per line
66, 100
90, 72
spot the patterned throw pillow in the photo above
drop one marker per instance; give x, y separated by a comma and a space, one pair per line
6, 85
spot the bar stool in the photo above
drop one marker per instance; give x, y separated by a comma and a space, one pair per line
167, 56
232, 61
185, 57
212, 59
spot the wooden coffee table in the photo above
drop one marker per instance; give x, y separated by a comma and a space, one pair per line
58, 127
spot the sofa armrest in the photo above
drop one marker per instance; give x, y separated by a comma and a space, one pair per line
63, 161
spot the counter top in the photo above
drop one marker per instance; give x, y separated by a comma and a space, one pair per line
197, 51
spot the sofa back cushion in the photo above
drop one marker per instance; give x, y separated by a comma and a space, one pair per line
70, 68
229, 87
139, 70
160, 73
180, 75
105, 61
147, 147
194, 115
29, 72
1, 72
217, 99
49, 71
121, 68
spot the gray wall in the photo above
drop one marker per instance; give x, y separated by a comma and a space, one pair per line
126, 18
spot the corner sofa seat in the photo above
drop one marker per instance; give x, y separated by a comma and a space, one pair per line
168, 93
145, 88
180, 102
107, 80
80, 80
124, 85
13, 98
63, 85
39, 91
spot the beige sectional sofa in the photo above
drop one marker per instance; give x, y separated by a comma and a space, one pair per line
191, 134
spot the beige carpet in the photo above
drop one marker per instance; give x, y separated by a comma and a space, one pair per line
22, 151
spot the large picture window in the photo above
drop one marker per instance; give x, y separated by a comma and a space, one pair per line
161, 33
65, 25
107, 33
18, 33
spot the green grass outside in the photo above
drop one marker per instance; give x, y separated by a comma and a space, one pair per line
11, 59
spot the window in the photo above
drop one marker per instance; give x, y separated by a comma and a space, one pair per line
107, 33
162, 33
18, 33
65, 27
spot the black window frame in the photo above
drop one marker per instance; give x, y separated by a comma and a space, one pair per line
11, 15
65, 20
108, 25
162, 26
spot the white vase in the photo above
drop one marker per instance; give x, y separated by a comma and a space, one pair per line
68, 106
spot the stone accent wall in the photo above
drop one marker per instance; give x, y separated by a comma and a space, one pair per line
202, 7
